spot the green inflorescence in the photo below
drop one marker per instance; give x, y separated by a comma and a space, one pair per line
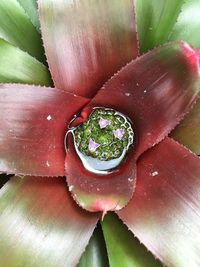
108, 146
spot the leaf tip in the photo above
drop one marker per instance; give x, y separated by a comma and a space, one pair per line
192, 56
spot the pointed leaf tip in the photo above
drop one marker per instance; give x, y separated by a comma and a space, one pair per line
193, 57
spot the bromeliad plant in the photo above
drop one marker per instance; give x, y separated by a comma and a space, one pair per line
108, 141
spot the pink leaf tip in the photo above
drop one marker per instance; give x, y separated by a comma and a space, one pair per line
192, 55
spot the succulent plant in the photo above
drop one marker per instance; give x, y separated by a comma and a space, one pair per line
99, 133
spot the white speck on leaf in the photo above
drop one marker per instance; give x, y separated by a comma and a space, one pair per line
47, 163
155, 173
130, 179
127, 94
49, 117
145, 91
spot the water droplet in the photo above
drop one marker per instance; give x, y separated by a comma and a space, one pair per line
102, 149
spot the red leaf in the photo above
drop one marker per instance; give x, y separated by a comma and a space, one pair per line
164, 211
33, 122
87, 41
40, 225
155, 91
99, 192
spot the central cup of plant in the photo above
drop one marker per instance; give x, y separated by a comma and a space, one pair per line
103, 140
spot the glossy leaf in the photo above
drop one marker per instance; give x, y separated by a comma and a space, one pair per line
16, 66
40, 225
188, 132
33, 123
95, 254
154, 91
124, 250
86, 42
155, 20
30, 7
164, 211
16, 28
162, 84
188, 24
95, 192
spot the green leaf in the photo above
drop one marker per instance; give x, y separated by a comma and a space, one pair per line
155, 21
40, 224
86, 42
95, 254
188, 132
30, 7
188, 25
124, 250
16, 66
16, 28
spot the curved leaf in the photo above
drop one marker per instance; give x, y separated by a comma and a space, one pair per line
188, 132
124, 250
155, 91
95, 254
155, 20
30, 7
162, 84
33, 123
86, 42
16, 66
188, 24
16, 28
40, 225
164, 212
95, 192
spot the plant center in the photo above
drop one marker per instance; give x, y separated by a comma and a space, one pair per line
103, 140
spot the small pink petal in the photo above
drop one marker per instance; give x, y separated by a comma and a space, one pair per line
93, 145
119, 133
103, 123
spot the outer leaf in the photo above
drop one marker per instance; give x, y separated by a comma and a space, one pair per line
40, 225
33, 122
154, 91
124, 250
17, 66
162, 84
87, 41
30, 7
95, 254
164, 211
188, 132
16, 28
155, 21
188, 24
